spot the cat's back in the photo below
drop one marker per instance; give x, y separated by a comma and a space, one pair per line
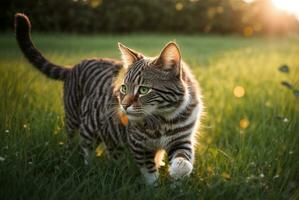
93, 76
88, 94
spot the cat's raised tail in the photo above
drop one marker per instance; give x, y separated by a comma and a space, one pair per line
22, 29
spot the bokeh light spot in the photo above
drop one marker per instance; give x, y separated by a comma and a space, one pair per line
220, 9
239, 91
100, 150
225, 175
95, 3
244, 123
248, 31
179, 6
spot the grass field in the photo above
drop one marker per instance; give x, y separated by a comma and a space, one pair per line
249, 145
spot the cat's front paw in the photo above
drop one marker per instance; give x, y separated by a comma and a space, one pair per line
180, 168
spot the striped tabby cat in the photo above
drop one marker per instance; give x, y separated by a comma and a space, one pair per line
159, 96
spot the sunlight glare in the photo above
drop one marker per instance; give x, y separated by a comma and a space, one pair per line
290, 6
248, 1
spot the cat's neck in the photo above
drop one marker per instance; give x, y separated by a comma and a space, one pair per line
182, 107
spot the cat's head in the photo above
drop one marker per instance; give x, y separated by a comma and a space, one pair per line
150, 86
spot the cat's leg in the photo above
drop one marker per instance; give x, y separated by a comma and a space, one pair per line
147, 165
71, 127
87, 145
181, 157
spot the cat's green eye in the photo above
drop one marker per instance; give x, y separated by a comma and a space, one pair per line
123, 89
143, 90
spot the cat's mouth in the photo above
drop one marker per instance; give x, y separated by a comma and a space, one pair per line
134, 113
134, 116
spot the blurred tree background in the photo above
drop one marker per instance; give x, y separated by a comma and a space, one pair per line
124, 16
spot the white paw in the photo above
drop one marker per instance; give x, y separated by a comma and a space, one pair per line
180, 168
150, 178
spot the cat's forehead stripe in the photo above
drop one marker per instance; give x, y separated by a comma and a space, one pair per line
133, 75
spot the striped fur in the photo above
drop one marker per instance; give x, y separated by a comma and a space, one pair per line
159, 96
22, 27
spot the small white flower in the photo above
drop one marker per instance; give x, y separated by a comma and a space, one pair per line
262, 175
276, 176
30, 162
6, 131
291, 152
285, 120
2, 159
249, 178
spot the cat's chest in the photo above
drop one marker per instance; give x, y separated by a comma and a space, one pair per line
158, 130
157, 137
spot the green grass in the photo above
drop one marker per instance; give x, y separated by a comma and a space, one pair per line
258, 162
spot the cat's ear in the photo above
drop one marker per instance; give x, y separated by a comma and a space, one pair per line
170, 58
129, 56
